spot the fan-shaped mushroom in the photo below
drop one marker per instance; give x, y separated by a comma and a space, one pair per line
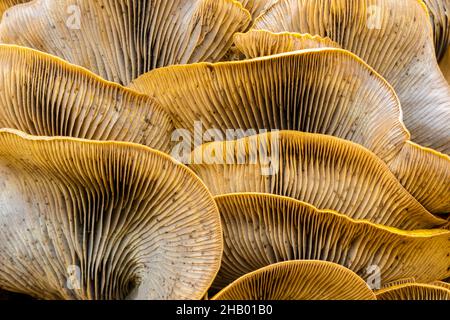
328, 91
103, 220
121, 39
327, 172
298, 280
414, 291
44, 95
262, 229
395, 38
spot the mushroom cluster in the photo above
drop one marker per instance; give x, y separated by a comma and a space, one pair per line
225, 149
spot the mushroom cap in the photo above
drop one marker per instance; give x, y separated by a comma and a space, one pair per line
425, 173
395, 37
84, 219
46, 96
414, 291
298, 280
327, 172
262, 229
327, 91
121, 39
260, 43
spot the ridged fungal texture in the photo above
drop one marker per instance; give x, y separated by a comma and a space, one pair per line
125, 220
225, 149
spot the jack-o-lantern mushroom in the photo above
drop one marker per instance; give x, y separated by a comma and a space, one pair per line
298, 280
395, 37
43, 95
262, 229
414, 291
122, 39
322, 90
83, 219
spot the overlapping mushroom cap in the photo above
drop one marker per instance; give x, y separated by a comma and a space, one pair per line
298, 280
103, 220
327, 172
327, 91
342, 195
44, 95
395, 38
262, 229
319, 91
426, 175
122, 39
442, 284
414, 291
260, 43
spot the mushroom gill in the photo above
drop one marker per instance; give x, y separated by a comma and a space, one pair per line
43, 95
298, 280
262, 229
395, 37
441, 284
440, 17
83, 219
425, 173
445, 66
439, 11
256, 7
261, 43
122, 39
326, 91
6, 4
247, 149
327, 172
414, 291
